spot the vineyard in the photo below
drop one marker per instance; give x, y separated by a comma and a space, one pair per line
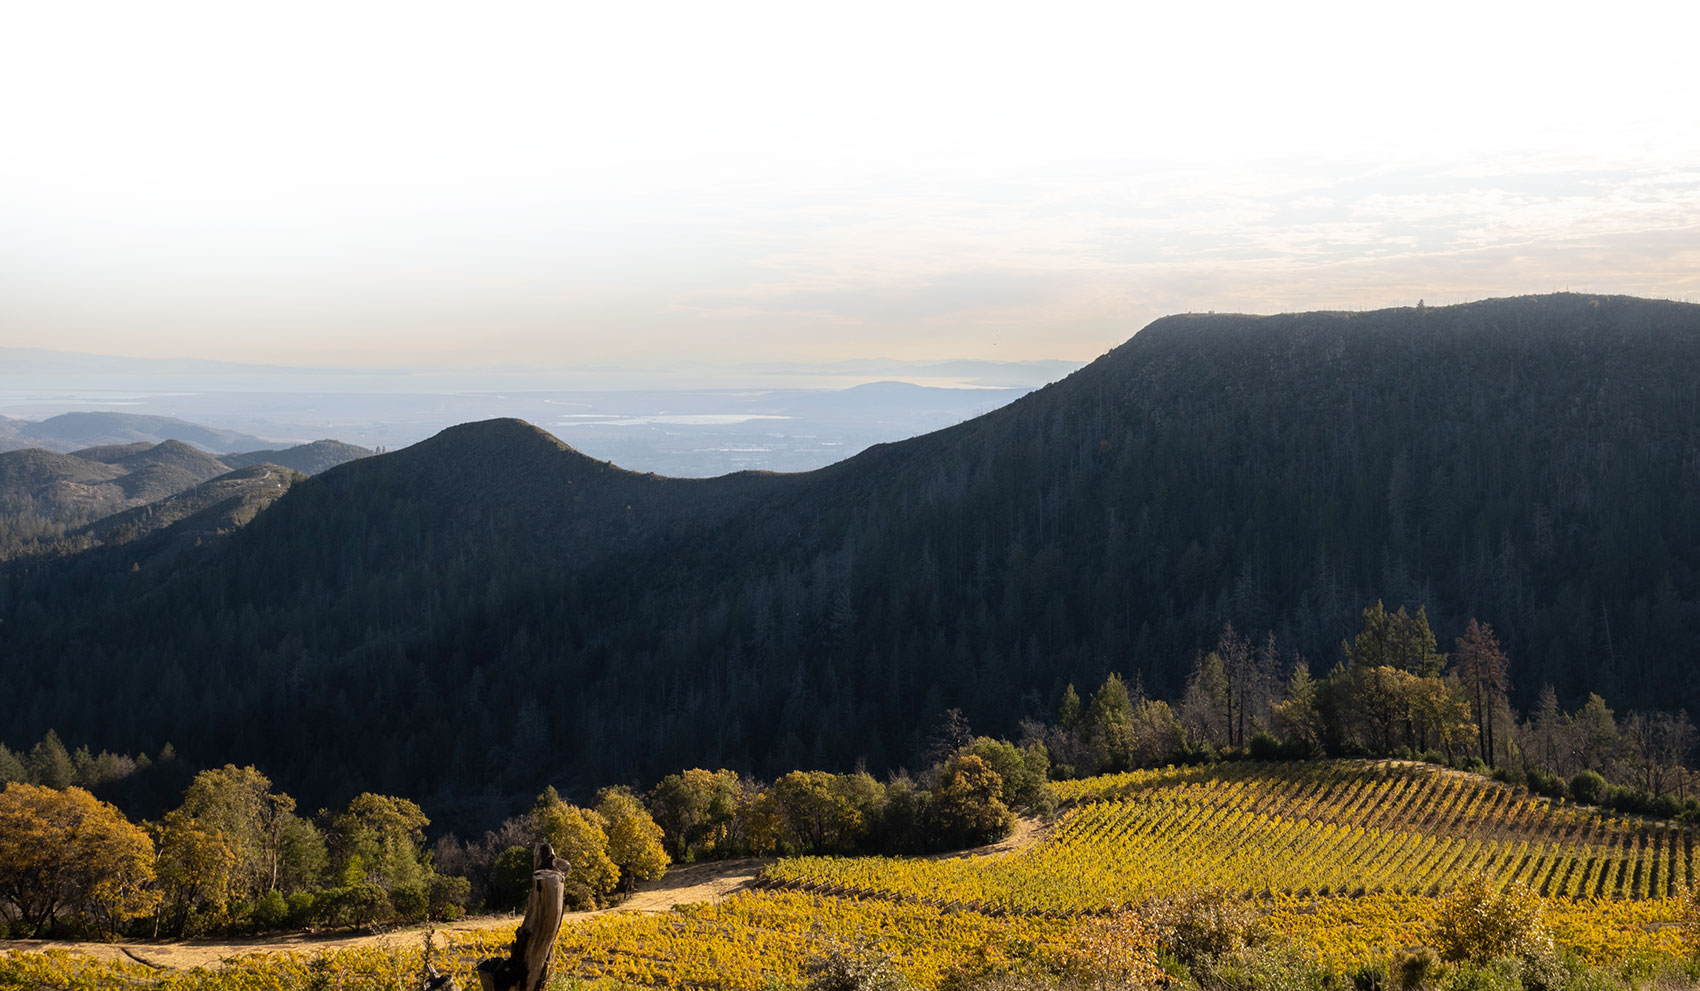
753, 941
1341, 828
1347, 860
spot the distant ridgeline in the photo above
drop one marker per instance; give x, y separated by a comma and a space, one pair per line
488, 609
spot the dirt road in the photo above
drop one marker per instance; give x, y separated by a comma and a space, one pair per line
684, 885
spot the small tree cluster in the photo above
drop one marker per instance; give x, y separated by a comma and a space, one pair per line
608, 848
233, 856
973, 794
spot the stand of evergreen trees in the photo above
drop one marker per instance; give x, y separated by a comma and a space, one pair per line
234, 856
1396, 694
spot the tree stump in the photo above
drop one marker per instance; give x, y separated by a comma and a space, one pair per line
526, 967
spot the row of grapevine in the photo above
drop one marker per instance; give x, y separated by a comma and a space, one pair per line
761, 939
1339, 828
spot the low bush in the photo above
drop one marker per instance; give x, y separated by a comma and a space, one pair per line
353, 907
300, 905
1543, 783
1478, 924
270, 912
839, 967
1264, 746
409, 902
1589, 787
1415, 970
1199, 925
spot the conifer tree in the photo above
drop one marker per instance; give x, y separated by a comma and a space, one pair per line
50, 765
1484, 670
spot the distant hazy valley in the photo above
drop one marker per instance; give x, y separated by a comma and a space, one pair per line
787, 419
130, 465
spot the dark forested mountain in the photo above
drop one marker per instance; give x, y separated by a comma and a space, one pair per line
488, 609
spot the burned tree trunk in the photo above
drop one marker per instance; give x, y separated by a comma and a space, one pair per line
526, 967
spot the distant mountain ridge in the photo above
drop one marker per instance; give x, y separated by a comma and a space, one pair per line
308, 459
1531, 462
72, 431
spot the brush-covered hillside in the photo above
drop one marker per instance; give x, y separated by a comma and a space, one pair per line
103, 479
58, 503
308, 459
216, 506
489, 608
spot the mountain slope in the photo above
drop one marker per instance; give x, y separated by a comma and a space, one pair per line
112, 453
217, 506
58, 503
99, 481
1532, 462
309, 459
166, 468
55, 484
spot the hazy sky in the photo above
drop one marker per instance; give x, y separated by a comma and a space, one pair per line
542, 184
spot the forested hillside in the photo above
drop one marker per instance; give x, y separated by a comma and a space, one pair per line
487, 609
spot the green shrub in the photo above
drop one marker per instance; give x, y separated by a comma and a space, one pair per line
301, 912
1544, 783
409, 901
1589, 787
448, 895
1511, 776
352, 907
1263, 969
510, 879
1300, 748
271, 911
1264, 746
1371, 976
1503, 974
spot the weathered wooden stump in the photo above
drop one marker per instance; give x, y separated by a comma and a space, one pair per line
526, 967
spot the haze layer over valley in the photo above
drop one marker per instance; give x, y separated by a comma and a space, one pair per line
771, 418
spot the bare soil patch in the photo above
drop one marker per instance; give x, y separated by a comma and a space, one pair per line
1028, 831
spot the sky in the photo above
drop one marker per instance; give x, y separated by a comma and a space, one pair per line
568, 184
